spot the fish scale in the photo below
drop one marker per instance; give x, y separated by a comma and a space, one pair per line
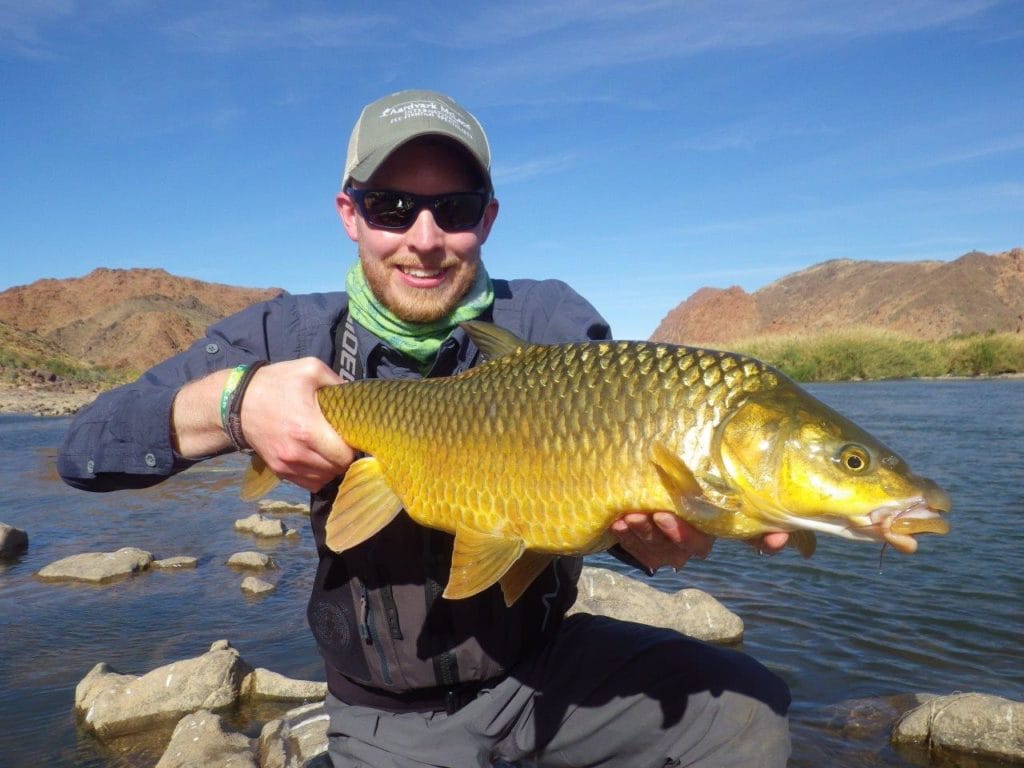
536, 452
549, 444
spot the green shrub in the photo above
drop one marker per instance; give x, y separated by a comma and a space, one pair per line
867, 353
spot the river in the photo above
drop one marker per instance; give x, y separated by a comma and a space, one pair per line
841, 627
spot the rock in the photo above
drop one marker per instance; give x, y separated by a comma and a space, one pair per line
298, 739
276, 507
97, 567
200, 739
261, 526
13, 542
973, 723
690, 611
175, 563
869, 719
265, 685
112, 704
253, 560
254, 586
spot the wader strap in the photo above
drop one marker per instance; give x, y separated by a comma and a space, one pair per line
349, 365
347, 362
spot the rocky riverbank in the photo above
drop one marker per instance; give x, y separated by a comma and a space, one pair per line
188, 695
187, 712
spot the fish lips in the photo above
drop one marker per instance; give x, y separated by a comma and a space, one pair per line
899, 526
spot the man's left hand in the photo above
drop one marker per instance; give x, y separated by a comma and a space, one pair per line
661, 538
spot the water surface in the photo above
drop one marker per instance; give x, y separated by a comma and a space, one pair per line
838, 627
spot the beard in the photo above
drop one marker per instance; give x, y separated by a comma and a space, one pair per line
418, 305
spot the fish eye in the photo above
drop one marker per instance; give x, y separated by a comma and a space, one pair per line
853, 458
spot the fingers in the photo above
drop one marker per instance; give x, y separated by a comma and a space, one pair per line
660, 539
774, 542
282, 421
770, 543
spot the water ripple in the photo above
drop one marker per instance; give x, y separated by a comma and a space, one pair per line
837, 627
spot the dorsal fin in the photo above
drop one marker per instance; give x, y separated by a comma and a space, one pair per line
492, 340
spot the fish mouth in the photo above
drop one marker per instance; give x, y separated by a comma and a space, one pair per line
899, 526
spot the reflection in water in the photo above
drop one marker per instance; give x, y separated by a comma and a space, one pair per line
851, 641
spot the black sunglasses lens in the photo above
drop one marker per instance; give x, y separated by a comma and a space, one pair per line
458, 211
453, 212
390, 210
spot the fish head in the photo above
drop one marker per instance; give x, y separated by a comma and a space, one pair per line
799, 463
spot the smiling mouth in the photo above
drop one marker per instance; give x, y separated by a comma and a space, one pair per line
421, 273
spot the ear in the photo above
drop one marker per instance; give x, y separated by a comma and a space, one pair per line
490, 214
348, 214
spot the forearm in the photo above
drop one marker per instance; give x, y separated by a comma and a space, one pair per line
195, 421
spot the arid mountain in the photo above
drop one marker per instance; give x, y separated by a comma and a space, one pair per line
926, 299
121, 318
129, 319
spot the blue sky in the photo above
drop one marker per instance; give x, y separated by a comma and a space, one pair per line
642, 149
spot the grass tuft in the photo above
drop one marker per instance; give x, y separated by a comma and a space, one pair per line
869, 353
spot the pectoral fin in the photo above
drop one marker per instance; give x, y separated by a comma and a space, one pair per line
520, 576
675, 475
804, 542
479, 560
364, 505
682, 487
258, 480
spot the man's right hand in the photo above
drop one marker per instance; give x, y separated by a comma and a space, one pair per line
281, 420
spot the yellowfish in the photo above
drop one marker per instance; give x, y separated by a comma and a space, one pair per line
535, 452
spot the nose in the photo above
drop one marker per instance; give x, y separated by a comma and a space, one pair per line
424, 235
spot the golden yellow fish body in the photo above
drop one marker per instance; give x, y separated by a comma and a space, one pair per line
537, 451
549, 445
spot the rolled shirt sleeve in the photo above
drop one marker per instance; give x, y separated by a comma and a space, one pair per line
123, 439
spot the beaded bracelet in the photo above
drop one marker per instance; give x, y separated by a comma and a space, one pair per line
231, 402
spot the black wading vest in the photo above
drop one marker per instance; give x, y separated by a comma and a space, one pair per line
387, 636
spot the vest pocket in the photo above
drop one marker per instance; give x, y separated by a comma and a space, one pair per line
369, 633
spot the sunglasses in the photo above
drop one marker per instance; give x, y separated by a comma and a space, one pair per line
391, 209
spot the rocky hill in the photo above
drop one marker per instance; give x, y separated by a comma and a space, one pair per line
129, 319
124, 319
976, 293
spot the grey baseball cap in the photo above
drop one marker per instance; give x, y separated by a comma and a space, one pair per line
390, 122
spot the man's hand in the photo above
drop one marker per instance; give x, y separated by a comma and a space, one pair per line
662, 538
280, 418
282, 421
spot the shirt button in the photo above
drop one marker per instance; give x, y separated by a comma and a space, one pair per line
150, 460
89, 465
212, 348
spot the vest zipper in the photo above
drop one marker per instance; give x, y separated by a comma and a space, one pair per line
368, 631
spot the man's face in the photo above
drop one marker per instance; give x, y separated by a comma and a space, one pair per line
421, 273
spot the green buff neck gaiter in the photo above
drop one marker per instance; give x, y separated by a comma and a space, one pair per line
418, 340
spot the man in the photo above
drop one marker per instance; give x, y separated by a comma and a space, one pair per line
414, 679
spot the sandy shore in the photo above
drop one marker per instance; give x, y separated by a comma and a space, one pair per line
44, 399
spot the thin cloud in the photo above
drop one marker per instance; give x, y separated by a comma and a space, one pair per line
255, 26
532, 169
23, 25
748, 134
999, 146
29, 28
572, 37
